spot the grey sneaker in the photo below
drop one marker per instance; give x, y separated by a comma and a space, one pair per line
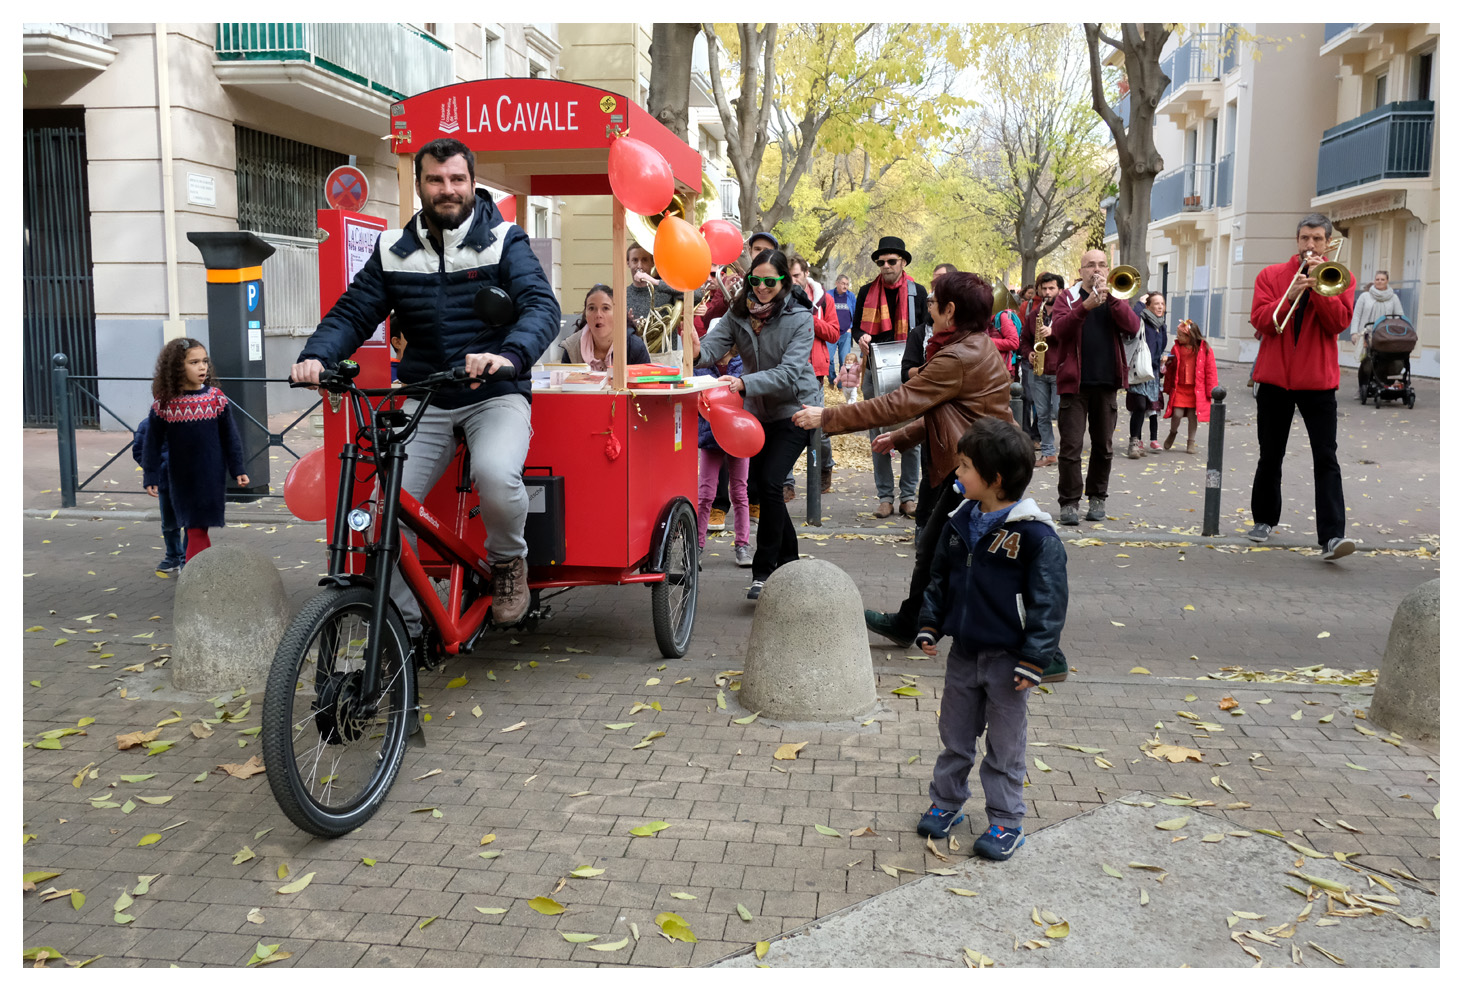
1260, 533
743, 554
1068, 515
1338, 547
1097, 509
755, 590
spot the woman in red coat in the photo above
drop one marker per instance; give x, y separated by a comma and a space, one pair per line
1189, 376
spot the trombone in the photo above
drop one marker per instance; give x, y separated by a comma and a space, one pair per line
1332, 280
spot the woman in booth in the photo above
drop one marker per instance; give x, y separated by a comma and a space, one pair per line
773, 333
591, 344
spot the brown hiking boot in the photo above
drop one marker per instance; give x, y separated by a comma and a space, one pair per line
510, 591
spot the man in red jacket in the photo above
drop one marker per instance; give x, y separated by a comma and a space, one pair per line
1297, 369
1086, 339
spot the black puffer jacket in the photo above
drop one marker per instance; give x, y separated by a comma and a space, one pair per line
430, 299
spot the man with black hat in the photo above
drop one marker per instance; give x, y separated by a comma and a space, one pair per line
895, 312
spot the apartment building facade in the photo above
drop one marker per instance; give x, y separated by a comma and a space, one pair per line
1256, 131
136, 134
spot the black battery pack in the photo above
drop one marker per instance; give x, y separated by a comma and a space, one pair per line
544, 528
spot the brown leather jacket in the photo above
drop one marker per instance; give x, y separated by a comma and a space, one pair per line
964, 380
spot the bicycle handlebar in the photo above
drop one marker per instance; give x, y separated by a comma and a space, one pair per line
341, 380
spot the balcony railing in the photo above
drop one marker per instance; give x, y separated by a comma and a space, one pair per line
1188, 188
1110, 226
1333, 30
1230, 58
1224, 180
731, 190
95, 34
393, 59
1196, 60
1395, 141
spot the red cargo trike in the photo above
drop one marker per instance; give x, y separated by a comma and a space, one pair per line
341, 700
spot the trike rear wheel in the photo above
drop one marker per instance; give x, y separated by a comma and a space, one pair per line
673, 600
331, 754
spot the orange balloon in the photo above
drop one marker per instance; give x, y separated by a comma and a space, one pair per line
683, 257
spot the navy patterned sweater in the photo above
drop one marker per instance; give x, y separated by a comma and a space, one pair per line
203, 454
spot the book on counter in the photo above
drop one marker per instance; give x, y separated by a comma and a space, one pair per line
584, 382
649, 375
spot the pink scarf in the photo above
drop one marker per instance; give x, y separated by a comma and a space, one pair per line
587, 351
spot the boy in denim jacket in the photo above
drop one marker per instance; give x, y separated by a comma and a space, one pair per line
998, 586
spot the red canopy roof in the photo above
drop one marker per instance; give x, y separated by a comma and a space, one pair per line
540, 137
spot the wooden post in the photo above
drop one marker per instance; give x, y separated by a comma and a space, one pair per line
688, 303
406, 188
521, 212
617, 283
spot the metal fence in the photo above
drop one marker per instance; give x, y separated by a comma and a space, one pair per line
280, 181
394, 59
1189, 187
1204, 307
69, 389
292, 274
1395, 141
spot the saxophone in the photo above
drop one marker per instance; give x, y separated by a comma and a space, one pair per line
1039, 350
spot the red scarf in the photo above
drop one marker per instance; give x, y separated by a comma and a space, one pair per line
875, 318
937, 340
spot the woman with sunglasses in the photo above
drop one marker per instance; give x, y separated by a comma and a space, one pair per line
772, 331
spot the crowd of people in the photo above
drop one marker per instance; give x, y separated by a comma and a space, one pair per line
935, 368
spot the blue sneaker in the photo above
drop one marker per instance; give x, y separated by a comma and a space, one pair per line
938, 822
999, 843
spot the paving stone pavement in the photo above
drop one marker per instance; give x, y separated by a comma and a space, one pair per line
743, 826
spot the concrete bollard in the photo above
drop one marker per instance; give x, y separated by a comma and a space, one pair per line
808, 653
229, 613
1406, 699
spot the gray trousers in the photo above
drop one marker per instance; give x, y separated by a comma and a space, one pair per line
497, 432
884, 469
980, 697
1042, 400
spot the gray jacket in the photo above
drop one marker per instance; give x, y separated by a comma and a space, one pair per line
777, 370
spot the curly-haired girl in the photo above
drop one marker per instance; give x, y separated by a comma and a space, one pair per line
192, 419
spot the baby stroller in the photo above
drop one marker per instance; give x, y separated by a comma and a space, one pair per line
1384, 373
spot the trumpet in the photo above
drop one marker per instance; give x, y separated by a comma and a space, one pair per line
1039, 350
1332, 280
1123, 282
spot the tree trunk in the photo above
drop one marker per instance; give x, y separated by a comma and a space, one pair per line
669, 95
1139, 162
745, 118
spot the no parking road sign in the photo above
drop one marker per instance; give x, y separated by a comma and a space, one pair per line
345, 188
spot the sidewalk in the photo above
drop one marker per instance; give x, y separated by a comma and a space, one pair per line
565, 791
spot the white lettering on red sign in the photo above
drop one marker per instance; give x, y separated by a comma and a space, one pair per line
527, 117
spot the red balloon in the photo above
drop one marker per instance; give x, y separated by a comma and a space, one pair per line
719, 396
725, 240
305, 487
738, 432
682, 256
640, 176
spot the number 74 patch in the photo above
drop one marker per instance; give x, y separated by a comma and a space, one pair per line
1009, 541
